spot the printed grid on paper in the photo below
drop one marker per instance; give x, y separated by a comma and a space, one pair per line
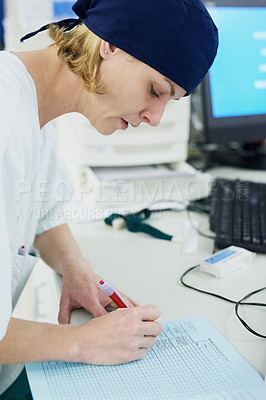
176, 367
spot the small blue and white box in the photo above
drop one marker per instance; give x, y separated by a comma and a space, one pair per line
226, 261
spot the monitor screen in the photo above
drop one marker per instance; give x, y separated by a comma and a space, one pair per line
234, 91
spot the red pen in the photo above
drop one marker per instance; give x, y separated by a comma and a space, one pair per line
113, 294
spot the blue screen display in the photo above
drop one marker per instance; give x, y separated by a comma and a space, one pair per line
63, 9
238, 75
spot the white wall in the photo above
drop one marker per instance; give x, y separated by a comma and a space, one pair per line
18, 22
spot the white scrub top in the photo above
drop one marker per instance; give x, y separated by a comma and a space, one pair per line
33, 187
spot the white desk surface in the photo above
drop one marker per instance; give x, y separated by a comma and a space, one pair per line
148, 270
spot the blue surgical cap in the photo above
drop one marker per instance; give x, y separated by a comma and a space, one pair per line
177, 38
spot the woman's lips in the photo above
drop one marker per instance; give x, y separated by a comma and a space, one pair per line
124, 124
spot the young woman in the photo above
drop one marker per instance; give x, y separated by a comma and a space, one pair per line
119, 63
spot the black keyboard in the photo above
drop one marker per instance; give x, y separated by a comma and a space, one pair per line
238, 214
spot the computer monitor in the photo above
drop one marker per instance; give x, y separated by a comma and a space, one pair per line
233, 94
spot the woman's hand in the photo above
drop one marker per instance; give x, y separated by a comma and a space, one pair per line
81, 289
119, 337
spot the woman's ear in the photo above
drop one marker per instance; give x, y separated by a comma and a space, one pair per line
106, 48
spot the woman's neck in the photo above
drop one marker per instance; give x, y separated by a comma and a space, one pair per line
58, 89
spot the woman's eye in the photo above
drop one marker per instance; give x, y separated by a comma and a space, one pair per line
153, 92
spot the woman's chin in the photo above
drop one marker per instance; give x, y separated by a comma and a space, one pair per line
113, 126
105, 130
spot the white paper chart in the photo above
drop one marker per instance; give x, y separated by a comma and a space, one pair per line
191, 360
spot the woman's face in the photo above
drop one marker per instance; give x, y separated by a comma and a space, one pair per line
133, 93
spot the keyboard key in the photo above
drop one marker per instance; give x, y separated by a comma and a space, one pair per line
238, 214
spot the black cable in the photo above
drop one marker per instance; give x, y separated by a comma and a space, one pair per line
200, 290
196, 206
237, 303
240, 302
166, 201
197, 229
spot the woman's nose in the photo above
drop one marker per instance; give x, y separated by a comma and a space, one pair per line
152, 115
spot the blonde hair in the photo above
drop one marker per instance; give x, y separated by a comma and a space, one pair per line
80, 50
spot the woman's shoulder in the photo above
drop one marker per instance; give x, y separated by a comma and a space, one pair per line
11, 65
13, 72
18, 98
16, 84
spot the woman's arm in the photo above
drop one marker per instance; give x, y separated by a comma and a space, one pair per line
27, 341
118, 337
57, 247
